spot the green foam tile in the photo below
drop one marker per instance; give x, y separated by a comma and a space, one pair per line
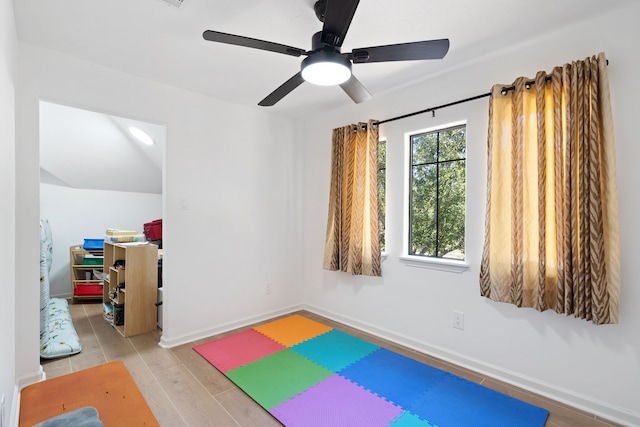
278, 377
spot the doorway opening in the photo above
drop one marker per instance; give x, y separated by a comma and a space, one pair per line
95, 174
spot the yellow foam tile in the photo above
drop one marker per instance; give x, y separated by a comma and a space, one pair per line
292, 330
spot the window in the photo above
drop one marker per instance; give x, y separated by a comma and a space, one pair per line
382, 183
437, 187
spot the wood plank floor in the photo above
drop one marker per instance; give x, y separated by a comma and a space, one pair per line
183, 389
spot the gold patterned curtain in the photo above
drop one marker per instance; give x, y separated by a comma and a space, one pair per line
352, 242
551, 231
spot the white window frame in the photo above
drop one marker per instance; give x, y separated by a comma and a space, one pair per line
441, 264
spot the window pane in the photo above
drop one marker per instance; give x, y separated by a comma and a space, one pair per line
453, 144
437, 199
382, 182
424, 148
382, 155
451, 210
423, 211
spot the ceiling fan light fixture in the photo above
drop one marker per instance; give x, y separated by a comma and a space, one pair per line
326, 68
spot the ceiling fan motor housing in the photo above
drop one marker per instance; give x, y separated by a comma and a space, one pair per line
319, 8
317, 43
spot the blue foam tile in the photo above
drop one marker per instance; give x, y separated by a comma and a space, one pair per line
392, 376
334, 350
407, 419
455, 401
437, 396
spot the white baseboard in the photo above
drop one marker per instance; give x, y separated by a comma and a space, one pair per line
15, 408
22, 382
225, 327
32, 378
585, 403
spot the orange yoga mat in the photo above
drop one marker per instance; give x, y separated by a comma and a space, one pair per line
109, 388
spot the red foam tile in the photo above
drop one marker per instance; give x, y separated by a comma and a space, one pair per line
236, 350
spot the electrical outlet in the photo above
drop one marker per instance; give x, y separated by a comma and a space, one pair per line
458, 320
267, 288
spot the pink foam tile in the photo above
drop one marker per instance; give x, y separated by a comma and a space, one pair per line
236, 350
336, 402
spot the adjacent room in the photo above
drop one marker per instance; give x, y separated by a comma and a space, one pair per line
249, 173
116, 180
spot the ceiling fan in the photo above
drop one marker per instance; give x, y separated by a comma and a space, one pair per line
325, 64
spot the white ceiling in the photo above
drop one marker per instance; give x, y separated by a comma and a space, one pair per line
153, 40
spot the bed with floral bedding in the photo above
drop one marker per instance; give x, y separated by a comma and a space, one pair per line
58, 336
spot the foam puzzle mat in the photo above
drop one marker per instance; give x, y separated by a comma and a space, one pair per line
308, 374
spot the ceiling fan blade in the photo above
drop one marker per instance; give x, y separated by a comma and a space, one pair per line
337, 19
216, 36
430, 49
355, 90
282, 91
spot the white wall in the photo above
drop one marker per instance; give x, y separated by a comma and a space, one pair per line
231, 206
77, 214
595, 367
7, 207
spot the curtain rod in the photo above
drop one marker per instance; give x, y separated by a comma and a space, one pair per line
503, 91
433, 109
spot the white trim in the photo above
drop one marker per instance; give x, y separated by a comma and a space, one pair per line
22, 382
226, 327
15, 408
32, 378
576, 400
442, 264
414, 261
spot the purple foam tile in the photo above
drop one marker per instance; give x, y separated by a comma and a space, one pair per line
336, 402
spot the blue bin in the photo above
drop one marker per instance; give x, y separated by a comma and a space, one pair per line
93, 244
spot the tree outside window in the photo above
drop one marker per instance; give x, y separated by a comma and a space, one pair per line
382, 181
437, 193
